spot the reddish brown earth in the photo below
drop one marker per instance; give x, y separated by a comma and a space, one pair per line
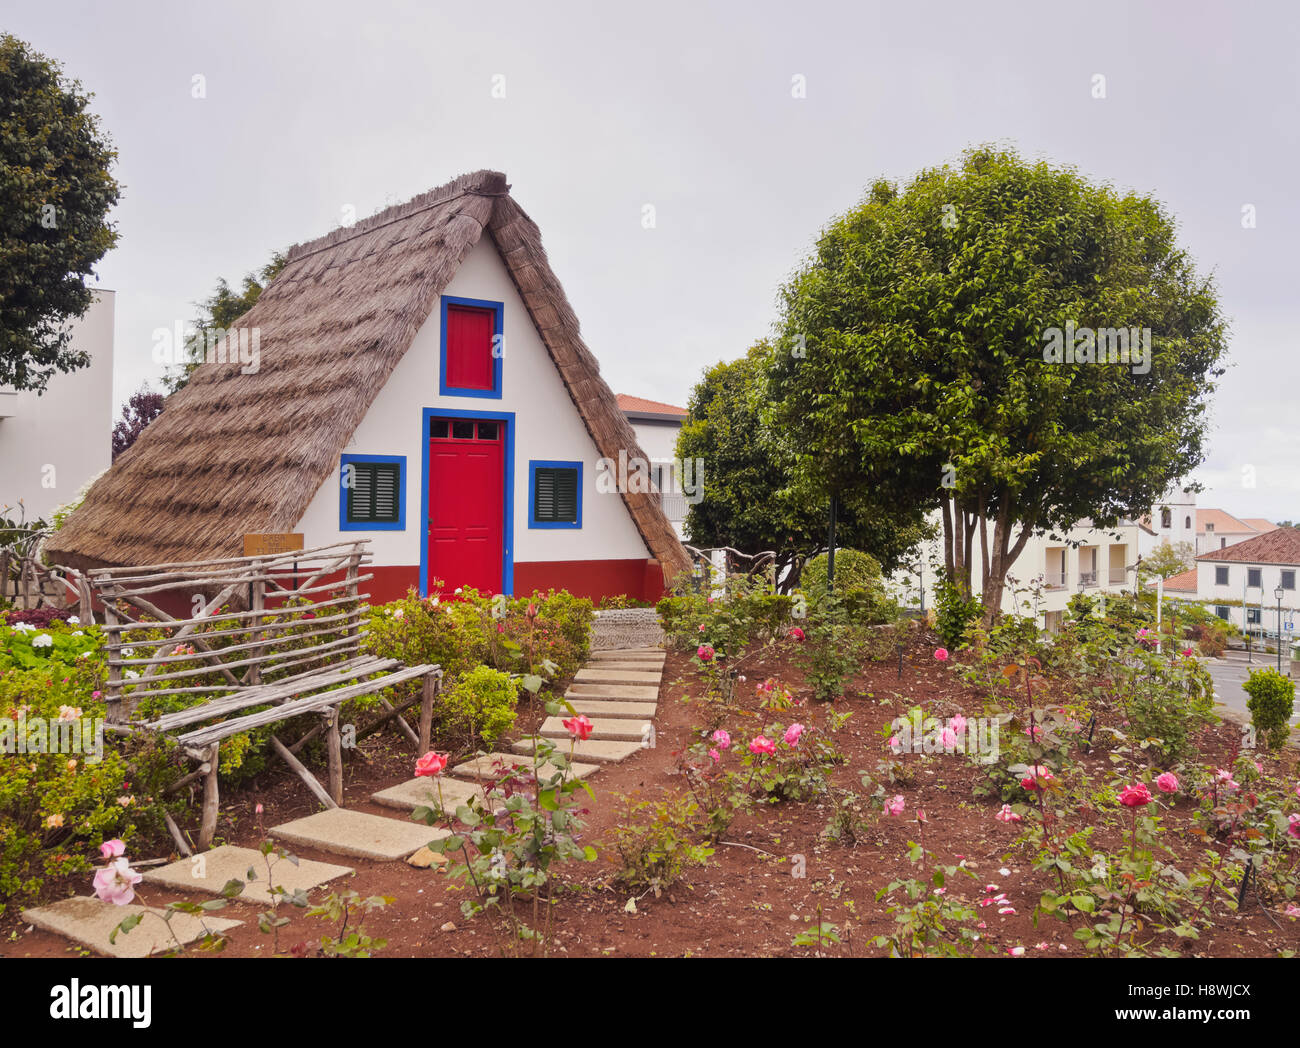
745, 902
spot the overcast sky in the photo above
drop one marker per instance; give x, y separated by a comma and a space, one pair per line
313, 107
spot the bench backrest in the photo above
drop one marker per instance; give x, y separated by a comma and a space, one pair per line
207, 628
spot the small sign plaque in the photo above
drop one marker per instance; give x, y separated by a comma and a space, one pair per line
269, 543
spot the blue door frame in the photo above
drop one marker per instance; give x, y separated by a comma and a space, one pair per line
508, 525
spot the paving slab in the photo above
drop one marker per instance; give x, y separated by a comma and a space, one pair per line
613, 692
596, 675
89, 922
210, 871
615, 655
626, 665
603, 728
605, 752
423, 792
613, 708
358, 834
484, 766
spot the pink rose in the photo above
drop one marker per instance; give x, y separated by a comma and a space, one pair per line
792, 734
1294, 828
948, 739
941, 654
112, 849
1035, 779
958, 724
1007, 815
762, 744
431, 764
895, 805
721, 739
705, 652
1187, 653
1135, 795
116, 882
701, 627
1167, 783
579, 727
715, 755
795, 634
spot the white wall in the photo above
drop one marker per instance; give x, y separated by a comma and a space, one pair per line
547, 427
52, 444
658, 439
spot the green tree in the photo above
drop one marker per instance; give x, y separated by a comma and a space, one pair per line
1169, 559
55, 195
749, 500
218, 313
916, 344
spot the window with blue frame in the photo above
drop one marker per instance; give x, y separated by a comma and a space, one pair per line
472, 347
372, 490
554, 494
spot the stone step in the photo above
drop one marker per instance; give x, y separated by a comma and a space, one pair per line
89, 922
484, 766
615, 655
227, 863
628, 665
358, 834
605, 752
613, 708
596, 675
604, 729
423, 792
613, 692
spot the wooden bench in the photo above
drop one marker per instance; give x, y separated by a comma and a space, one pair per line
256, 641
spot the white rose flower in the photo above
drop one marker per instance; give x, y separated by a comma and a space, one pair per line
43, 641
72, 620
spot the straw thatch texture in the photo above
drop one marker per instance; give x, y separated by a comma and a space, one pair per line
234, 453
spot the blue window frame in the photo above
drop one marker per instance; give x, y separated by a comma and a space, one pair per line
554, 494
498, 347
372, 493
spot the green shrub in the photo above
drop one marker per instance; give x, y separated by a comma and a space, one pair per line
854, 570
57, 807
732, 622
954, 613
1271, 703
478, 707
655, 844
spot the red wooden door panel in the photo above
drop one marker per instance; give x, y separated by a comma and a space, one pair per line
466, 512
469, 347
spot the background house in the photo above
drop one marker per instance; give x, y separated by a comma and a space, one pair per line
52, 444
1178, 519
422, 384
656, 426
1050, 570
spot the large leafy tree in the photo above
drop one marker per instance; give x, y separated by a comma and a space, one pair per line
749, 499
219, 312
143, 407
916, 365
55, 194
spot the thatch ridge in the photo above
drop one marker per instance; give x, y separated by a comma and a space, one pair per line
234, 453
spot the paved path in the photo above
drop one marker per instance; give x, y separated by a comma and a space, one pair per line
617, 689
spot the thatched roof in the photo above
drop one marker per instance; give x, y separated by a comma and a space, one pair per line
234, 453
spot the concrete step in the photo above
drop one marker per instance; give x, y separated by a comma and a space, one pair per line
604, 752
596, 675
227, 863
357, 834
485, 766
629, 665
605, 728
615, 655
424, 792
89, 922
613, 692
613, 708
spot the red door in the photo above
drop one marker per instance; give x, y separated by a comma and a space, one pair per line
466, 504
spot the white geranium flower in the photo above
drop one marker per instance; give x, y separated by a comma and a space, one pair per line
131, 674
78, 633
72, 620
24, 627
127, 652
43, 641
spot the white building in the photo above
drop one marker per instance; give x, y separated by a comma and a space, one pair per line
1050, 570
53, 443
1179, 519
1245, 583
421, 384
656, 426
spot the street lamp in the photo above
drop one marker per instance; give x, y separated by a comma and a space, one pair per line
1278, 594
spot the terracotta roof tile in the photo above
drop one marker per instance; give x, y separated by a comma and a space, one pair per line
1279, 546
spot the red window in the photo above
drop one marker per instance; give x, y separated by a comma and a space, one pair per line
470, 364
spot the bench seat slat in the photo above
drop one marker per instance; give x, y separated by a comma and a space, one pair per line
258, 695
207, 736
